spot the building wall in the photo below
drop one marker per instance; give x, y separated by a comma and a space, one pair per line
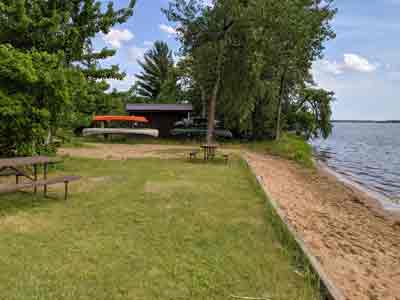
163, 121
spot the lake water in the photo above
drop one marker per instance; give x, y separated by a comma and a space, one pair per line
367, 154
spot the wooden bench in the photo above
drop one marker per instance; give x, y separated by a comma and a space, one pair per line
45, 182
193, 154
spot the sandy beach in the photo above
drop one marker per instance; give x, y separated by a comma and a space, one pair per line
354, 239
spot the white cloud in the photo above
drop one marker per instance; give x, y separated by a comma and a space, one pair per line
135, 53
122, 85
148, 43
116, 37
358, 63
168, 29
351, 62
331, 67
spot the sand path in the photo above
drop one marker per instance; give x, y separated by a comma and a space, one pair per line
124, 151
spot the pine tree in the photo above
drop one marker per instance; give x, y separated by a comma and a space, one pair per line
157, 67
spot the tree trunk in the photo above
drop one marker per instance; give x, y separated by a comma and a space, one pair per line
213, 99
278, 118
203, 102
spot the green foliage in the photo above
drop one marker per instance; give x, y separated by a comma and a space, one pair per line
205, 33
35, 93
310, 114
58, 25
49, 75
255, 56
290, 147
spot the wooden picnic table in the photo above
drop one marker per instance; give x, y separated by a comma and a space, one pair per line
18, 167
17, 163
209, 151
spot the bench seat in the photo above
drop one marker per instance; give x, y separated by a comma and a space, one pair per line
193, 154
8, 188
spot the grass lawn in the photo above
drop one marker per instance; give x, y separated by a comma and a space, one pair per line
146, 229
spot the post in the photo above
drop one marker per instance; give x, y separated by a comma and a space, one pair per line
45, 178
66, 190
35, 177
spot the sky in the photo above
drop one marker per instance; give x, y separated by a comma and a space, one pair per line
362, 65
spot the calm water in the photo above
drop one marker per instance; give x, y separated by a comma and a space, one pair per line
368, 154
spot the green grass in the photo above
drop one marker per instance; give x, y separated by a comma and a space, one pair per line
289, 146
146, 229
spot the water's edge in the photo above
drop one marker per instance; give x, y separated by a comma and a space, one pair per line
385, 202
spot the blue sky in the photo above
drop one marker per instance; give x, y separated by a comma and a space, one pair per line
362, 65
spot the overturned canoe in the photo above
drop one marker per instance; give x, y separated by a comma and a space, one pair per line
124, 131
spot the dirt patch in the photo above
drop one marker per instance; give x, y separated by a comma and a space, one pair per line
22, 223
122, 152
356, 242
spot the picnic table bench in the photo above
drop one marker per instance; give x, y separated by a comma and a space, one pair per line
209, 152
15, 167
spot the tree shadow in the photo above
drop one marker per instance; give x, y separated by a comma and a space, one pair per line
11, 203
218, 161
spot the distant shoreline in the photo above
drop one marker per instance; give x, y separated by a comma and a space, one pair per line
367, 121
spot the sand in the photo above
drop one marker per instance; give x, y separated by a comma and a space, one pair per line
123, 151
356, 242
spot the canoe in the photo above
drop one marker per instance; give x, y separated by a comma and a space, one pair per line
123, 131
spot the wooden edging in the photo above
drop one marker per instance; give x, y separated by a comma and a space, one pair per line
327, 286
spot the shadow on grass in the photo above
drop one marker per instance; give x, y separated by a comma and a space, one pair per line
215, 161
11, 203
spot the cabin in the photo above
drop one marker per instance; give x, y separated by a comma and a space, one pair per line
161, 116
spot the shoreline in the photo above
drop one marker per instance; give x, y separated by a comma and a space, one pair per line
386, 205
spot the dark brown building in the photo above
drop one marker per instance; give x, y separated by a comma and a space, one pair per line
161, 116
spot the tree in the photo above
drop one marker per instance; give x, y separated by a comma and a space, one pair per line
35, 94
312, 112
271, 49
157, 71
55, 38
204, 33
58, 25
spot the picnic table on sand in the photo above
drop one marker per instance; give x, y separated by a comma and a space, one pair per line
18, 167
209, 151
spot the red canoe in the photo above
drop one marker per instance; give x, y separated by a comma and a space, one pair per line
137, 119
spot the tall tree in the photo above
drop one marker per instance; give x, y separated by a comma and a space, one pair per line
157, 71
204, 33
273, 45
